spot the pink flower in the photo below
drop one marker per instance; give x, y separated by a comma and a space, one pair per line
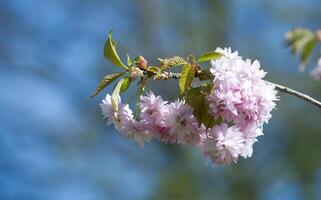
125, 117
163, 134
136, 131
124, 122
223, 144
227, 52
153, 109
316, 72
182, 123
250, 134
238, 86
153, 113
108, 110
240, 96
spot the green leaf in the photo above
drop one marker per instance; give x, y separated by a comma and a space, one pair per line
209, 56
196, 99
115, 95
106, 81
205, 74
295, 35
171, 62
126, 83
186, 78
139, 92
111, 53
302, 42
306, 51
129, 60
153, 69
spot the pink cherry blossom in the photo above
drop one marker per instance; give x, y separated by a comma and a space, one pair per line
123, 119
136, 131
153, 108
238, 87
223, 144
250, 134
153, 112
108, 110
182, 123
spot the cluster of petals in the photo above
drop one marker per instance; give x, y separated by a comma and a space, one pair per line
240, 97
169, 122
243, 100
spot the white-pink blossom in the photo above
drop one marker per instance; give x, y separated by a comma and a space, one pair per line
123, 119
243, 99
154, 111
108, 110
153, 108
250, 133
136, 131
240, 93
182, 123
316, 72
223, 144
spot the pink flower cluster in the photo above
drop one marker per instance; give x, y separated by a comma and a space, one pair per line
240, 97
244, 100
169, 122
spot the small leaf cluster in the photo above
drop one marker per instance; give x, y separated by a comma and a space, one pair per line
302, 42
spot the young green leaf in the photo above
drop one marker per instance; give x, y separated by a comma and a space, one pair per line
111, 53
171, 62
302, 42
126, 83
153, 69
115, 95
209, 56
196, 99
106, 81
295, 35
141, 88
307, 50
129, 60
186, 78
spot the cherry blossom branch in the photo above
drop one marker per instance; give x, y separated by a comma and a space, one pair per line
279, 87
300, 95
205, 75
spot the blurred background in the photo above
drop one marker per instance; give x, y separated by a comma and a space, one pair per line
55, 145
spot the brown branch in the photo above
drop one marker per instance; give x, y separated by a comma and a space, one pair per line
300, 95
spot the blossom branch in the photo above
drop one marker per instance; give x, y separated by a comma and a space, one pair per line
223, 121
279, 87
300, 95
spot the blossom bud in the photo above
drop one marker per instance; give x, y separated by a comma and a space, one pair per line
141, 62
